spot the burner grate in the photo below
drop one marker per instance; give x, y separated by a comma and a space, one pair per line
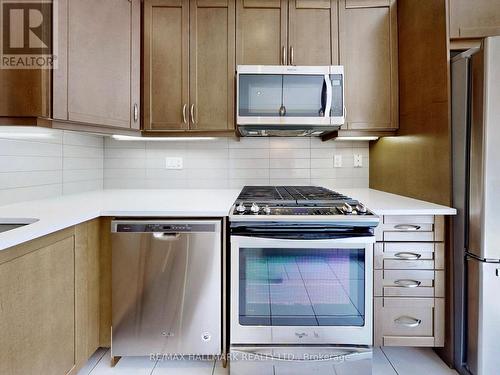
290, 193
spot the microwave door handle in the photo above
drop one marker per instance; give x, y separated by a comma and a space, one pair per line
329, 95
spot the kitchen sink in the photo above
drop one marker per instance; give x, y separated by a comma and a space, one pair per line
10, 224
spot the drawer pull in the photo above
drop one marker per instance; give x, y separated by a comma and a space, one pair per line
408, 321
408, 227
407, 283
407, 255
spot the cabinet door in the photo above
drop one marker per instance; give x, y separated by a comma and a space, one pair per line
212, 67
368, 51
37, 314
103, 62
313, 32
261, 32
474, 19
166, 64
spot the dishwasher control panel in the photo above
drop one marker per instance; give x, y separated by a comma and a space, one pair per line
160, 227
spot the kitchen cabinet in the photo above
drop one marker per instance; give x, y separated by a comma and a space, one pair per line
24, 93
189, 65
212, 64
49, 289
261, 32
368, 51
166, 64
474, 19
313, 32
98, 76
287, 32
37, 318
409, 281
95, 85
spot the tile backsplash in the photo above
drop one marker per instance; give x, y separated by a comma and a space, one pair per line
40, 163
223, 163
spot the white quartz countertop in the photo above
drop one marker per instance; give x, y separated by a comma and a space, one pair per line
62, 212
58, 213
383, 203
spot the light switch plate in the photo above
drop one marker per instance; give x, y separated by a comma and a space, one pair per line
337, 161
358, 160
173, 163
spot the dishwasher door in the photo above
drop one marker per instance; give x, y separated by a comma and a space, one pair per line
166, 287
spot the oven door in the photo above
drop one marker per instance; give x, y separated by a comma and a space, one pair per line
286, 291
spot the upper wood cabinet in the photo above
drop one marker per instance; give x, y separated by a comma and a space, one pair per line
313, 32
287, 32
212, 64
189, 67
98, 77
166, 64
474, 19
368, 51
261, 32
25, 93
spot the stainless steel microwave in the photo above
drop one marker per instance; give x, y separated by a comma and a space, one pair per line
289, 100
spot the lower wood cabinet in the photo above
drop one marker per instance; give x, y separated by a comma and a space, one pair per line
409, 322
409, 281
49, 302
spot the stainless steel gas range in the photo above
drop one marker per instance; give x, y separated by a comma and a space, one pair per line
301, 279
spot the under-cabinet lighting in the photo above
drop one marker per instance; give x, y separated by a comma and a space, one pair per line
156, 139
356, 138
26, 135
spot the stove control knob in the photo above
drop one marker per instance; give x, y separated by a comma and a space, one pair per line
255, 208
267, 210
361, 208
241, 208
347, 208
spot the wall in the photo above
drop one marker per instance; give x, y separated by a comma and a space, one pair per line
224, 163
40, 163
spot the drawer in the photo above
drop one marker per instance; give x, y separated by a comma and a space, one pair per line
409, 321
408, 283
409, 255
411, 229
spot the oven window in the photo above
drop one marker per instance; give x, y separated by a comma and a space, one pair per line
302, 287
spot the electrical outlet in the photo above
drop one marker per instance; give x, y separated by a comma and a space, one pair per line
358, 160
173, 163
337, 161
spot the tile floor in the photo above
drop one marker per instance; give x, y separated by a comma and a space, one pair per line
386, 361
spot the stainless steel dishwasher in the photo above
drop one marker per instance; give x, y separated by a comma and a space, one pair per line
166, 287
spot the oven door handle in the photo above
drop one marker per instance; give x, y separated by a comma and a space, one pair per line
341, 240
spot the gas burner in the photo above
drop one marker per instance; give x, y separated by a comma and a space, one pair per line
300, 202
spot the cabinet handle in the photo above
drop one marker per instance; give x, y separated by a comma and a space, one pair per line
407, 255
409, 227
283, 55
291, 56
192, 114
407, 283
184, 113
136, 112
408, 321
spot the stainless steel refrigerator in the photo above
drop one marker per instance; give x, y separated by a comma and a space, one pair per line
476, 193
